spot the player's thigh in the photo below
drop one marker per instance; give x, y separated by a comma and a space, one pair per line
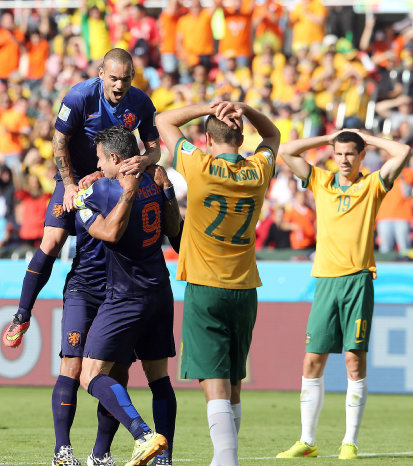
79, 310
323, 328
241, 306
155, 338
115, 329
57, 219
206, 334
356, 310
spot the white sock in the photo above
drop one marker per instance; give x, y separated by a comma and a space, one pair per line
355, 402
311, 400
236, 412
223, 432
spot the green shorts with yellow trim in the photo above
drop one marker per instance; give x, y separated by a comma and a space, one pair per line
216, 332
341, 314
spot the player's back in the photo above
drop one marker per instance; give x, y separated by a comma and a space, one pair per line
135, 264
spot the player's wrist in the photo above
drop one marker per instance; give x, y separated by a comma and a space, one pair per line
169, 192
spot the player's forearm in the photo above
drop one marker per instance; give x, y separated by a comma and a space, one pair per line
393, 148
172, 217
264, 126
180, 116
152, 152
297, 147
116, 222
62, 157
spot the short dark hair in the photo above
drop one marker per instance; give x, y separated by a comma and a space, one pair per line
350, 136
119, 140
221, 133
117, 55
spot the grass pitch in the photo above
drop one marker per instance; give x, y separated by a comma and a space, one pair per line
270, 423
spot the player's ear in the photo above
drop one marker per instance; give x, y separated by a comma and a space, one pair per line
115, 158
101, 72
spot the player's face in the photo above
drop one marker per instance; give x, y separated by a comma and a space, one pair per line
116, 79
106, 165
347, 158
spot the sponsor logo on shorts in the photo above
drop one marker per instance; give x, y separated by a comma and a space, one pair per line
57, 210
307, 338
64, 113
129, 119
73, 338
188, 148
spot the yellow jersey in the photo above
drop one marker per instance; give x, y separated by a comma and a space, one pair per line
225, 196
345, 222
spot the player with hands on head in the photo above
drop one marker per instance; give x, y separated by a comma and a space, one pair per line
347, 203
89, 107
131, 215
217, 254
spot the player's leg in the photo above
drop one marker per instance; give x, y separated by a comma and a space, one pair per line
163, 404
221, 420
357, 315
236, 413
58, 225
64, 401
323, 336
107, 424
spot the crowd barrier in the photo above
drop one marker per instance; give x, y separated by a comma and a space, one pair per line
275, 359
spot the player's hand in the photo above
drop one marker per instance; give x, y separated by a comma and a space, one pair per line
70, 192
88, 180
135, 165
129, 182
159, 175
332, 136
230, 113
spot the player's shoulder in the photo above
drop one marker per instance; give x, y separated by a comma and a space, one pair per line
137, 95
85, 88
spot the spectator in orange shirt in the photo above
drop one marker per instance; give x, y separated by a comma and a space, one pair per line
266, 19
10, 38
395, 214
37, 54
14, 125
168, 24
301, 219
32, 210
195, 43
308, 20
238, 31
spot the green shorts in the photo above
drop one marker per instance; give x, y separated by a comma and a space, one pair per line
216, 332
341, 314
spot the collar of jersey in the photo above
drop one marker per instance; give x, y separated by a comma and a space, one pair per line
232, 158
335, 183
117, 109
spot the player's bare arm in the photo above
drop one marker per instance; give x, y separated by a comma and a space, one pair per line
231, 113
399, 153
169, 122
62, 157
291, 152
139, 163
172, 216
112, 228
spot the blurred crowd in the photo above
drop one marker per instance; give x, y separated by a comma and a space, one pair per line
304, 66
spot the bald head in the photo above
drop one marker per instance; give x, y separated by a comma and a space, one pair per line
118, 56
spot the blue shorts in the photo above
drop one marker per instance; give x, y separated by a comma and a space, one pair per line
140, 326
79, 310
55, 215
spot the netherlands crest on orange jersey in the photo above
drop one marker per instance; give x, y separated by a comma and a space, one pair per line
73, 338
129, 120
57, 210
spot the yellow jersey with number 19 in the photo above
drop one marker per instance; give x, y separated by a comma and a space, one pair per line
345, 222
225, 196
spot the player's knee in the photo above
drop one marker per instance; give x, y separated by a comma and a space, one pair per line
71, 367
85, 380
53, 240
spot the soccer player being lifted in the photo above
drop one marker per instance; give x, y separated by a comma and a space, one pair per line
89, 107
347, 203
217, 255
136, 317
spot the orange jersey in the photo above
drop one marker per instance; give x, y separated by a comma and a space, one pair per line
238, 33
168, 25
196, 34
398, 204
265, 24
305, 30
9, 54
38, 55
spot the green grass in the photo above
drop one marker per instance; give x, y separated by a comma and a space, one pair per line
270, 423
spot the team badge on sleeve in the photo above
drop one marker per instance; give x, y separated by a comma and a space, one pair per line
188, 148
64, 113
268, 155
